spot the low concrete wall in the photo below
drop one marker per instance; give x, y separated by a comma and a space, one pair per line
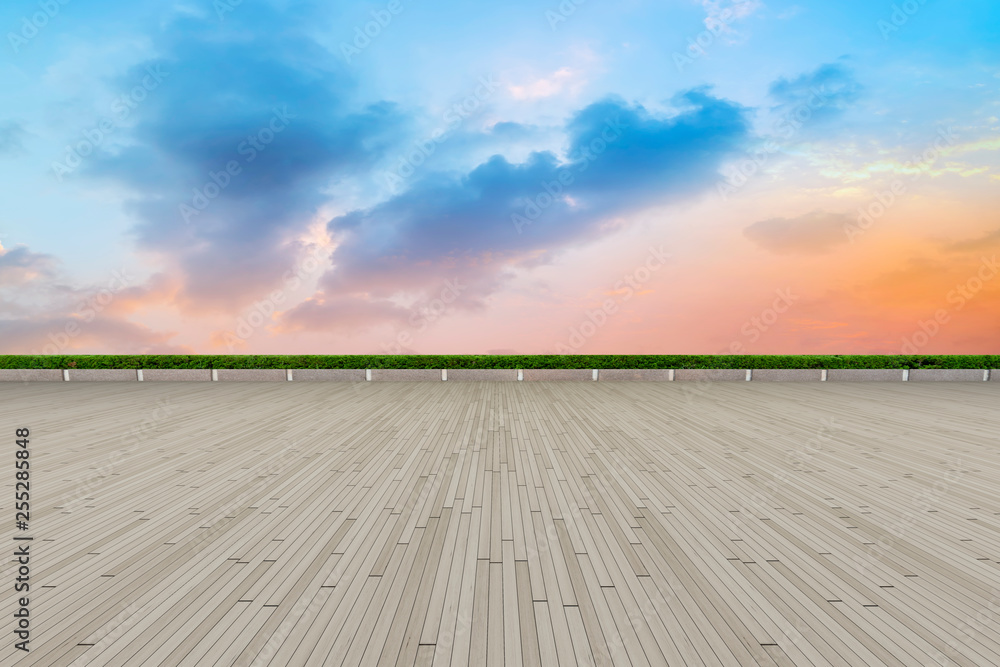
176, 375
558, 374
31, 375
406, 375
482, 375
252, 375
634, 375
864, 375
102, 374
713, 374
787, 375
328, 375
499, 375
946, 375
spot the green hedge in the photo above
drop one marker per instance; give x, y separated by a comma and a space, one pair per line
499, 361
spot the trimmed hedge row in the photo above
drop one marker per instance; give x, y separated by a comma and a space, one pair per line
499, 361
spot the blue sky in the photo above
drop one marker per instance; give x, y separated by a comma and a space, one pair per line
310, 137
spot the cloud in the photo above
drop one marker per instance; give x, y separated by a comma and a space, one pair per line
809, 234
827, 92
20, 265
620, 158
254, 92
719, 14
341, 313
800, 324
71, 334
12, 136
42, 313
792, 11
512, 131
647, 158
224, 84
924, 161
988, 240
554, 84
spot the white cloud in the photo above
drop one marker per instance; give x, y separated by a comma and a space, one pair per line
560, 80
794, 10
720, 14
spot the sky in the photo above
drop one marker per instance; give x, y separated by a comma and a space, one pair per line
574, 177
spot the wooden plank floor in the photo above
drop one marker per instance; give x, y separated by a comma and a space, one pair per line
508, 523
